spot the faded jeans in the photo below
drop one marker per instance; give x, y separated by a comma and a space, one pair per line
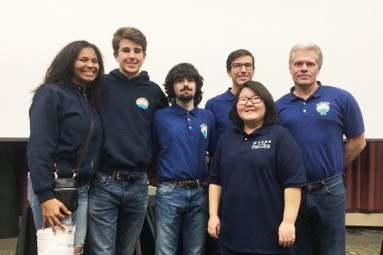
116, 214
79, 216
178, 208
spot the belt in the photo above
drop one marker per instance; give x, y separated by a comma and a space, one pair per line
189, 183
323, 183
119, 175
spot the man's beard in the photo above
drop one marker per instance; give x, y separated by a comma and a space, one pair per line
185, 98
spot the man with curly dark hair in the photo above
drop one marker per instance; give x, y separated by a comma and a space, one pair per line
182, 134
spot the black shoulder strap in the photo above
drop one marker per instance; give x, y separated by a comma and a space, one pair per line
77, 168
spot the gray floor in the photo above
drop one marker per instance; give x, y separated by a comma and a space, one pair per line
359, 242
7, 246
364, 241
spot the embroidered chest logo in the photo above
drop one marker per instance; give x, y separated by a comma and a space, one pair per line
142, 103
323, 108
261, 145
203, 128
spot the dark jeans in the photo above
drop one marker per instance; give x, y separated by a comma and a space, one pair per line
320, 226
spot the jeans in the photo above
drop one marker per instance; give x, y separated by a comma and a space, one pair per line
78, 217
178, 208
116, 214
320, 226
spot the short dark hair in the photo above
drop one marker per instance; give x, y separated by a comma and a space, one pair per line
236, 54
61, 70
271, 116
129, 33
180, 71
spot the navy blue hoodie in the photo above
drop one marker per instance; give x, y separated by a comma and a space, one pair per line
127, 107
59, 125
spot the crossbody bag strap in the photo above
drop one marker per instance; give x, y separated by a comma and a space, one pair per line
77, 168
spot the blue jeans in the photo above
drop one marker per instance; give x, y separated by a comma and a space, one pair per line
116, 214
78, 217
178, 208
320, 225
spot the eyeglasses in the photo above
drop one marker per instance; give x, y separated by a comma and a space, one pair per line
244, 100
248, 66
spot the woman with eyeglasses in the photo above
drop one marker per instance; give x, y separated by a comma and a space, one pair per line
256, 178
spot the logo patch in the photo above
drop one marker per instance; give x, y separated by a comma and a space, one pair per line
142, 103
204, 130
323, 108
261, 145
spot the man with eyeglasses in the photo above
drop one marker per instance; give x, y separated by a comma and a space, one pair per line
240, 68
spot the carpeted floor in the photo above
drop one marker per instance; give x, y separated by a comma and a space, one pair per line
366, 241
360, 241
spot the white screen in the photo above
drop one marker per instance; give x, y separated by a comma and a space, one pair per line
203, 33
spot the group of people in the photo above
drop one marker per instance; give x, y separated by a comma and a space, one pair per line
258, 177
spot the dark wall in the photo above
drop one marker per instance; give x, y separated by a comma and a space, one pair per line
13, 176
364, 182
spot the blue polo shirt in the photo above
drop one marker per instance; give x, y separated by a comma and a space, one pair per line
182, 138
318, 124
221, 106
253, 171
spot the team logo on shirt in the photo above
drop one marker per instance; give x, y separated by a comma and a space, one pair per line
261, 145
323, 108
142, 103
204, 130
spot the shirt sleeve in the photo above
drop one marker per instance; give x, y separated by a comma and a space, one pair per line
42, 144
353, 119
213, 137
155, 142
291, 171
214, 173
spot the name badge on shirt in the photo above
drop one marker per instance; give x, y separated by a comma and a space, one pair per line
142, 103
204, 130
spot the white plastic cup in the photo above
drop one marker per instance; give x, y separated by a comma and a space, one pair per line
60, 244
